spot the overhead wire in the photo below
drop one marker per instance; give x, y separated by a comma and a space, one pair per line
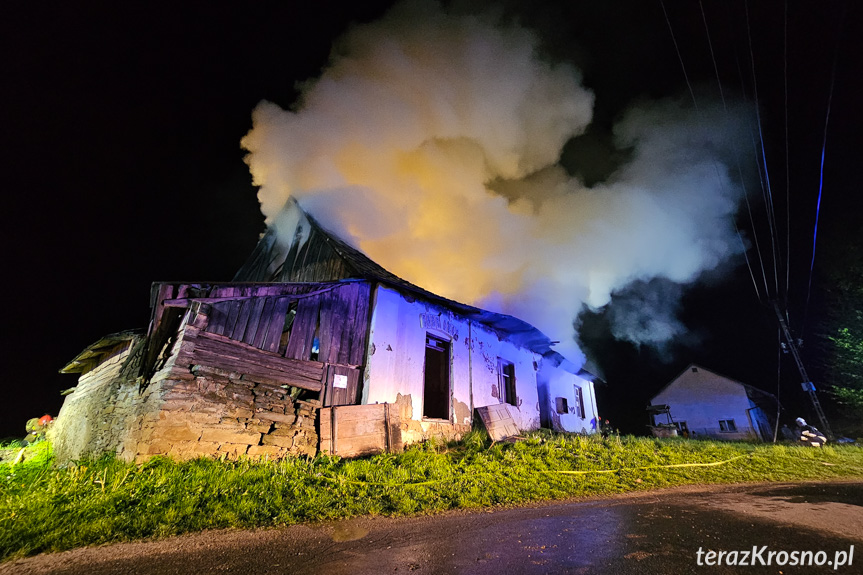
771, 211
679, 56
716, 168
821, 181
760, 179
787, 156
739, 169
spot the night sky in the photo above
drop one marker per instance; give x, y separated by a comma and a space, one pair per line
122, 164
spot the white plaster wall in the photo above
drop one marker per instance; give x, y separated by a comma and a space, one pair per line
561, 383
702, 398
486, 347
396, 354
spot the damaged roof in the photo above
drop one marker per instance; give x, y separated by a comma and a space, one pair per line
316, 254
93, 352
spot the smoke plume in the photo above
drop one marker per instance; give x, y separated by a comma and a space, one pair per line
431, 142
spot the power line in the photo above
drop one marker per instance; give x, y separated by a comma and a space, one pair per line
787, 158
679, 57
821, 175
771, 212
739, 170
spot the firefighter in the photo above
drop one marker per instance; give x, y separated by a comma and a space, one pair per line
36, 429
809, 434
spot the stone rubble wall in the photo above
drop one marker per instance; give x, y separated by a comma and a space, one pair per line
415, 431
185, 411
93, 418
213, 413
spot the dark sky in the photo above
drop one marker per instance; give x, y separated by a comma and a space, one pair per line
122, 164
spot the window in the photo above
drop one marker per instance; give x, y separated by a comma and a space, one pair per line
506, 381
727, 425
561, 405
436, 392
579, 402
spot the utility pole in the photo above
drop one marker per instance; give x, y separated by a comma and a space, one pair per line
807, 384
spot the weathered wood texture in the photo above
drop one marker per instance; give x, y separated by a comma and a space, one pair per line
249, 362
337, 313
316, 259
354, 430
329, 325
342, 386
498, 421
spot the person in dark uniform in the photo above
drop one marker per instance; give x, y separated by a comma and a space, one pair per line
809, 434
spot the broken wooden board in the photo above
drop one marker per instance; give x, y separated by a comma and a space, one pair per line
353, 430
498, 421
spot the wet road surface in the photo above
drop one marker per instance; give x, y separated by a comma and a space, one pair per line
649, 533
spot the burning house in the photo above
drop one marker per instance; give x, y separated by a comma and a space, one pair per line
312, 347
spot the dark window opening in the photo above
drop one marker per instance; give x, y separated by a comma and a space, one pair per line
560, 404
506, 381
579, 402
316, 341
436, 392
727, 425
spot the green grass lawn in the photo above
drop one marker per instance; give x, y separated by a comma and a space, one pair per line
45, 508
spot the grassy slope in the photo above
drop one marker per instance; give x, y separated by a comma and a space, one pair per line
43, 508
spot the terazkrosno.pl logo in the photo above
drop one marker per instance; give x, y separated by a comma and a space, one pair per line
758, 556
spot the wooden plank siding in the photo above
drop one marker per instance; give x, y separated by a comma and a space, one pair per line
254, 364
303, 331
347, 395
242, 317
254, 319
354, 430
277, 323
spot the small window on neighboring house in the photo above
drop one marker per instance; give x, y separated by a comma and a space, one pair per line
506, 381
694, 370
561, 405
727, 425
579, 402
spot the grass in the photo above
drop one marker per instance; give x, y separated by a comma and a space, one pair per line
46, 508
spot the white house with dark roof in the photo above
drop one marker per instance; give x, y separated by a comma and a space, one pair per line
703, 403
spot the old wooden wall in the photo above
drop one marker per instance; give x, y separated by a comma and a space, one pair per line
354, 430
321, 325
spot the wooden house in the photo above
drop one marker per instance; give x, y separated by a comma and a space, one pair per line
702, 403
312, 347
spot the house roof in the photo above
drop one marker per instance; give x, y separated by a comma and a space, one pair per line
752, 392
316, 254
93, 352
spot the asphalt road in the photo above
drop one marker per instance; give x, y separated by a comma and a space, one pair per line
649, 533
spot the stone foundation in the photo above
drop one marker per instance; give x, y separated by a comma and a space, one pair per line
185, 411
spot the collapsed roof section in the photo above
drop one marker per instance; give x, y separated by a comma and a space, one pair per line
316, 255
97, 351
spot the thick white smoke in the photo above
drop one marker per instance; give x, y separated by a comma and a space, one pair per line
431, 142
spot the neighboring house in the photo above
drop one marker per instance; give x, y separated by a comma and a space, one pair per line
311, 347
705, 404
